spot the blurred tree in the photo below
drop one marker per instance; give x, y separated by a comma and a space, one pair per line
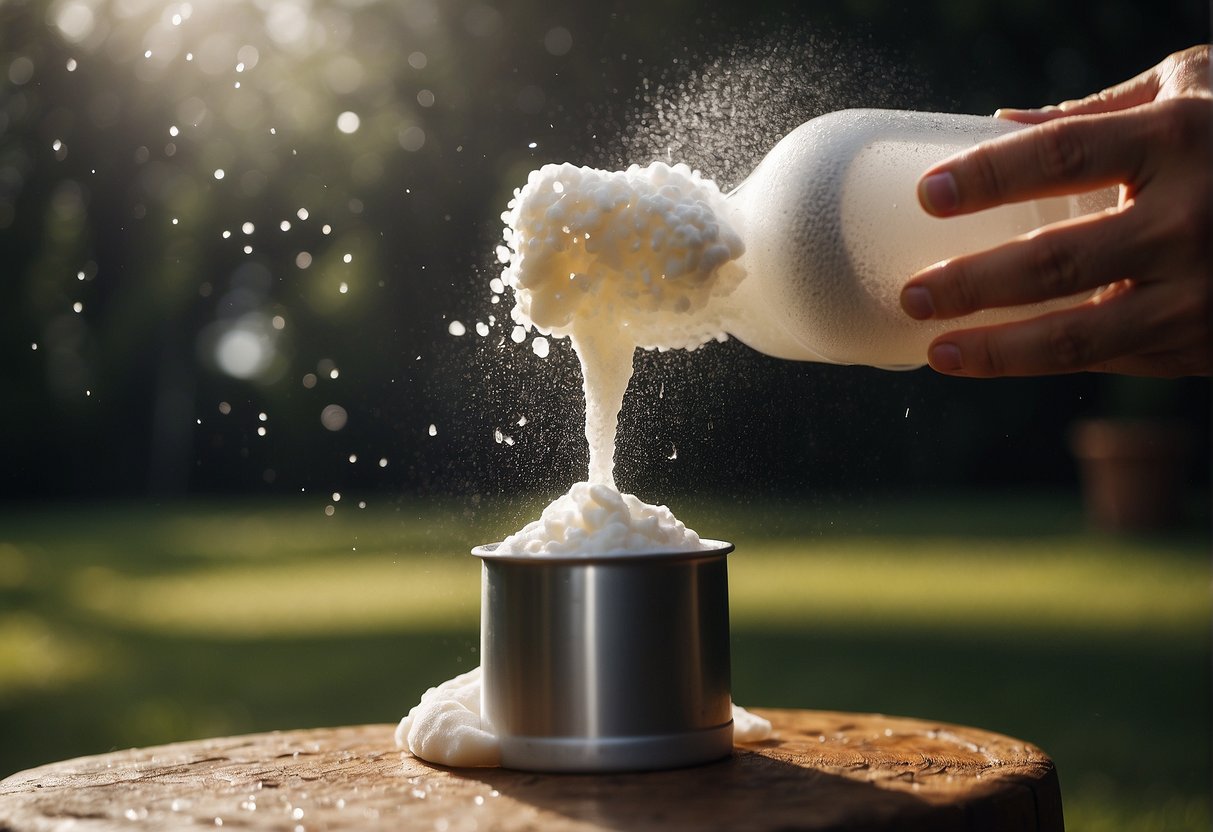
218, 219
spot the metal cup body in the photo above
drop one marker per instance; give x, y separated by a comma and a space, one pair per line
606, 663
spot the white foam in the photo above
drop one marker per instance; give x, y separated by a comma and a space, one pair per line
640, 249
595, 519
445, 727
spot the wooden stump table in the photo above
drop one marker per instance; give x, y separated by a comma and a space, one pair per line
819, 770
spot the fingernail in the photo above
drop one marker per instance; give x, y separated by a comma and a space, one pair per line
916, 301
945, 358
938, 194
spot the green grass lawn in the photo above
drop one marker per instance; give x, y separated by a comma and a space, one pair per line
134, 625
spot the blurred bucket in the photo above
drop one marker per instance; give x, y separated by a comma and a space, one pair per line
606, 663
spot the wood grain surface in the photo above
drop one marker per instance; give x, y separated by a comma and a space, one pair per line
820, 770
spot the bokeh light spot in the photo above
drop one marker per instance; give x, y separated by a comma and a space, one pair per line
334, 417
558, 41
75, 21
242, 352
21, 70
411, 138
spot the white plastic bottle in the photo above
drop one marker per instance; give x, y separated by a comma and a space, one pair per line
833, 229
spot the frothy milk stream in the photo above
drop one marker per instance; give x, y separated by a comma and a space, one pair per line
611, 260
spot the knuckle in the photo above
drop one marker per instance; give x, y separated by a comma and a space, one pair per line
1056, 268
1181, 123
990, 358
964, 294
1069, 347
1061, 154
988, 175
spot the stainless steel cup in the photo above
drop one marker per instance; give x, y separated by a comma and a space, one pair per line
606, 663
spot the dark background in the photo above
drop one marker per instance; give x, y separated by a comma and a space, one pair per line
101, 204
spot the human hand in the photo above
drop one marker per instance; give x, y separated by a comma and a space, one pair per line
1153, 136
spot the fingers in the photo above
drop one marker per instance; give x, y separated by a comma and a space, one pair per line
1055, 262
1141, 89
1116, 333
1057, 158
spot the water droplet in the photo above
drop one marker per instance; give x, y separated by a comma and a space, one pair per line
383, 462
361, 504
533, 145
498, 436
353, 458
456, 328
540, 346
333, 373
34, 346
433, 430
344, 288
248, 228
219, 173
71, 64
518, 335
285, 225
336, 496
77, 307
225, 408
262, 417
302, 214
297, 813
482, 329
303, 259
328, 511
348, 258
348, 122
261, 431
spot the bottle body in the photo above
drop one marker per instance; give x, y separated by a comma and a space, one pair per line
833, 229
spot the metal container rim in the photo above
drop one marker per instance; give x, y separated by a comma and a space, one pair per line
714, 549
